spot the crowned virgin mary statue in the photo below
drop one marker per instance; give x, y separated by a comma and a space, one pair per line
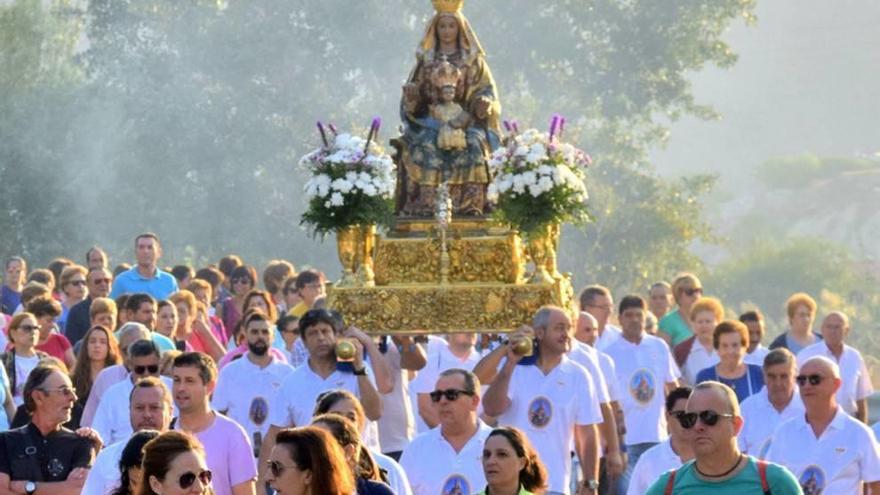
430, 93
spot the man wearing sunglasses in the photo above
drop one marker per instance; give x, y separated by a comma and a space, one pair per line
99, 281
111, 420
449, 453
827, 449
43, 456
150, 408
554, 401
712, 419
776, 403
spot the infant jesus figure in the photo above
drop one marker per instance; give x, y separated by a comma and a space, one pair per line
454, 119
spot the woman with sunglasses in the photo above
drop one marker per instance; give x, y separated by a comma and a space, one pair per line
675, 327
511, 465
24, 333
367, 475
242, 280
309, 461
174, 464
730, 340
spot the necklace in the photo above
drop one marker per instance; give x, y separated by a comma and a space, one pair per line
725, 473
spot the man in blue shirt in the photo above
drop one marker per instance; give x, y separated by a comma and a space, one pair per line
146, 276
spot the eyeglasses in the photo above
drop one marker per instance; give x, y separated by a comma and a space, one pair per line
813, 379
691, 292
187, 479
451, 394
151, 368
65, 391
709, 418
78, 283
276, 468
29, 328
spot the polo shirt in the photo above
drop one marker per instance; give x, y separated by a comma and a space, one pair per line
104, 476
760, 418
547, 408
855, 379
160, 285
25, 454
245, 392
745, 482
674, 325
843, 456
643, 370
434, 467
652, 463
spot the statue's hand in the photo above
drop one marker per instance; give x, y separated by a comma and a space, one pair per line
482, 107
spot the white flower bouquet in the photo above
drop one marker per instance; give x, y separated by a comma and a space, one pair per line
538, 180
352, 182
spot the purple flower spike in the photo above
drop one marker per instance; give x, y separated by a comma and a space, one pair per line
332, 128
561, 126
323, 134
515, 127
554, 123
377, 122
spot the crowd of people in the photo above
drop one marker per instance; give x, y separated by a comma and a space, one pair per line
142, 380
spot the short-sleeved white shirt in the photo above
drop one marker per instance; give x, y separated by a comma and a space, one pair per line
654, 462
113, 417
855, 379
643, 370
845, 455
588, 357
757, 356
698, 359
397, 479
247, 392
547, 408
760, 419
434, 467
439, 359
397, 424
610, 334
606, 364
104, 475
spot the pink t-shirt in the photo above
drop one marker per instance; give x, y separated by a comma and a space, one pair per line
56, 345
230, 456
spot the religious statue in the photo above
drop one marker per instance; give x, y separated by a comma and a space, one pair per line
450, 112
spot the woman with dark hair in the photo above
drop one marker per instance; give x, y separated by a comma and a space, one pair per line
367, 475
511, 465
99, 351
130, 470
242, 280
174, 464
308, 461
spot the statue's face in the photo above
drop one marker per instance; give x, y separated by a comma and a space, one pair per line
447, 29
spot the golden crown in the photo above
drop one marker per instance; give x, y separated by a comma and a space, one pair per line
447, 6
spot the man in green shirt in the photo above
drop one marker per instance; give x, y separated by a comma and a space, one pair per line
713, 419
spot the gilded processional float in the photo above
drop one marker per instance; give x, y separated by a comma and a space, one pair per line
467, 202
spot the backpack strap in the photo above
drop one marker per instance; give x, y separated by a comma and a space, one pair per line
670, 482
762, 472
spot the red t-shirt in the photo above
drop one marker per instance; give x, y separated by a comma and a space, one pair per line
56, 345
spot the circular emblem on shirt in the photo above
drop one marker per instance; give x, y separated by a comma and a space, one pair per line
642, 386
55, 468
258, 411
812, 480
456, 485
540, 412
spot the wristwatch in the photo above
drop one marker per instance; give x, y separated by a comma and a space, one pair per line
30, 487
360, 372
592, 485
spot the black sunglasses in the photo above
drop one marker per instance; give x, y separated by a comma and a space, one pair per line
187, 479
813, 379
451, 394
691, 292
152, 368
709, 418
276, 468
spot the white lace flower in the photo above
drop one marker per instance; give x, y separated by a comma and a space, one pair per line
336, 199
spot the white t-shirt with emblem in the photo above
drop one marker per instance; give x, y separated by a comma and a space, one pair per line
246, 393
855, 379
547, 408
435, 468
654, 462
643, 370
760, 419
845, 455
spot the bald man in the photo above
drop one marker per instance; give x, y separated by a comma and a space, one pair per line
856, 384
712, 419
828, 450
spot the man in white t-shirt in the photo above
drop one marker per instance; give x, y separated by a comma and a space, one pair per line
447, 457
149, 409
776, 403
458, 351
228, 450
668, 454
645, 373
248, 385
856, 385
397, 425
111, 420
295, 402
554, 401
826, 449
597, 300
